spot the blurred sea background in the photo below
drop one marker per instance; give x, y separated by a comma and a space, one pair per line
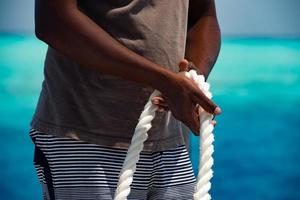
256, 81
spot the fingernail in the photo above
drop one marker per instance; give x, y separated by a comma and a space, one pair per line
217, 111
155, 101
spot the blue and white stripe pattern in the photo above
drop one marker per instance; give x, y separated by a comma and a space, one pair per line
70, 169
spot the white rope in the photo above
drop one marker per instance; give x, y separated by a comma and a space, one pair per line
205, 173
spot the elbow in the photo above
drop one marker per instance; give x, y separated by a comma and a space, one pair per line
44, 34
43, 28
40, 32
42, 17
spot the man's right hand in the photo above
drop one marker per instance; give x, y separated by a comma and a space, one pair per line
182, 100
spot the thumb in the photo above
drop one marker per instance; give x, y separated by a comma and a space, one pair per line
183, 65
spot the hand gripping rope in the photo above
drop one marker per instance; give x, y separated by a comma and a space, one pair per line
206, 148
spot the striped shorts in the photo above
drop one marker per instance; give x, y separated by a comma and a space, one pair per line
69, 169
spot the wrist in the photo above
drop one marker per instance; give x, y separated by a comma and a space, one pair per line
191, 65
166, 81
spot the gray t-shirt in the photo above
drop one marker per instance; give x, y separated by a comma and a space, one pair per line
78, 102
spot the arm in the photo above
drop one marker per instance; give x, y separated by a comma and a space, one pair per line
61, 25
64, 27
203, 37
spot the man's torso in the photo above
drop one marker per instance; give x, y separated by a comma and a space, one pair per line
104, 109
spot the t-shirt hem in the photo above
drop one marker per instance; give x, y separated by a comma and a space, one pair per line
103, 140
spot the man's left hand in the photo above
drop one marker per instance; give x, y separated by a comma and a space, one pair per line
160, 100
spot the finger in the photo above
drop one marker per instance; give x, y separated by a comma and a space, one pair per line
199, 109
159, 101
165, 107
207, 104
159, 98
155, 100
183, 65
195, 123
214, 122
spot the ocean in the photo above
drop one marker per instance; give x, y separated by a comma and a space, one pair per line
256, 82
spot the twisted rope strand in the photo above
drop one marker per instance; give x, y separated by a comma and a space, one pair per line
140, 135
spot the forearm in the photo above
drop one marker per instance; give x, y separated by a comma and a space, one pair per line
78, 37
203, 43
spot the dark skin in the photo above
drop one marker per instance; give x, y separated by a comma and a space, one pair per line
64, 27
203, 42
204, 37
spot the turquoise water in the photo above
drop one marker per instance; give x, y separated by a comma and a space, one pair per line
255, 81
